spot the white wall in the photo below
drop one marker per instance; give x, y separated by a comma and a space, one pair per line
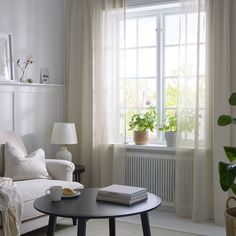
37, 28
30, 111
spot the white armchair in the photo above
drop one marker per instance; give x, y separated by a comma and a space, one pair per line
60, 171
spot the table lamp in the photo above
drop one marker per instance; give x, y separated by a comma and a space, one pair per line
64, 134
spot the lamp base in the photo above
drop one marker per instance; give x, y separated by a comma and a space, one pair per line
64, 154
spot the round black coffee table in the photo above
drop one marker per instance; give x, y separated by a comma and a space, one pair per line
86, 207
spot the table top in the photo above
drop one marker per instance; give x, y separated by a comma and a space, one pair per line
86, 206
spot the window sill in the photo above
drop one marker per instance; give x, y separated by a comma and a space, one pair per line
151, 147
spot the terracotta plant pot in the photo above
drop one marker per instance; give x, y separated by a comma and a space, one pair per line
140, 137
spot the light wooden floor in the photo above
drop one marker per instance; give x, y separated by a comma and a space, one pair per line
100, 228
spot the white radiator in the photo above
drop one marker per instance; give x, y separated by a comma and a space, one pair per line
154, 170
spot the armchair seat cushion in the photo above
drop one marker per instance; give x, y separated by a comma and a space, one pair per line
35, 188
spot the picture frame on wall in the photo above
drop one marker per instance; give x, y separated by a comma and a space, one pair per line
6, 70
44, 75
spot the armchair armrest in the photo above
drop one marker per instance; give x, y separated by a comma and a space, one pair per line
60, 169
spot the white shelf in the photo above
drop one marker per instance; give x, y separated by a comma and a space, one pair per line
7, 83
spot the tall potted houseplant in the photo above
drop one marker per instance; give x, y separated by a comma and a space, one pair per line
141, 123
227, 172
169, 127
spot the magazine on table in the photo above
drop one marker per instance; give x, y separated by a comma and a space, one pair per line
122, 191
123, 200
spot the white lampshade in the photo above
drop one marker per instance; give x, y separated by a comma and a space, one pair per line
64, 133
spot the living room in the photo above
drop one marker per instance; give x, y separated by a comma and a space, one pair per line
95, 63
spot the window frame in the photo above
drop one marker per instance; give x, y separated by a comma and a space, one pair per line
160, 78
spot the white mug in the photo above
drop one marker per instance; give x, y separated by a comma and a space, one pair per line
55, 193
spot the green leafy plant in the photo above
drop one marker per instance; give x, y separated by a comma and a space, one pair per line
169, 124
227, 171
144, 121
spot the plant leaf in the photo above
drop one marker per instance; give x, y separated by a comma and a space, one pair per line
224, 120
232, 99
227, 174
233, 188
230, 153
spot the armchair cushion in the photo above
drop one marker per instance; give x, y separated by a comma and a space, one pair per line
6, 135
29, 192
21, 167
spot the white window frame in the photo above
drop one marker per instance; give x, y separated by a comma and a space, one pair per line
159, 14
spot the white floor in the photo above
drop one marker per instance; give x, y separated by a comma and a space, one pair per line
168, 220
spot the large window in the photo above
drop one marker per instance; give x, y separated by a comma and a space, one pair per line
152, 61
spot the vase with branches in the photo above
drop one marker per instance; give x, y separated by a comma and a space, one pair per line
23, 66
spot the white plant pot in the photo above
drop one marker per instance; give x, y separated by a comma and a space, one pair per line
170, 138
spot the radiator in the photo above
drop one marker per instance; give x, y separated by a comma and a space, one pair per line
150, 169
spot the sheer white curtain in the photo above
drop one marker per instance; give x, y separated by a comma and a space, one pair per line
203, 76
92, 82
193, 145
219, 71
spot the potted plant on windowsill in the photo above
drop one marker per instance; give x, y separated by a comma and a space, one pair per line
227, 172
141, 123
169, 127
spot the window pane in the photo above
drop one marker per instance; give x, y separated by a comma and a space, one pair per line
131, 92
131, 33
202, 27
171, 61
192, 28
121, 120
121, 34
131, 66
202, 58
202, 126
202, 89
187, 92
170, 93
188, 60
146, 92
121, 64
129, 114
147, 31
147, 62
182, 29
171, 29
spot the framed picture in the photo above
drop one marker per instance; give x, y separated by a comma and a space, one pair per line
44, 75
6, 72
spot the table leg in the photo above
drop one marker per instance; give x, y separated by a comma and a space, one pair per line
51, 225
74, 220
112, 226
145, 224
81, 227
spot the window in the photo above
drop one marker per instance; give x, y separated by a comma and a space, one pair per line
151, 65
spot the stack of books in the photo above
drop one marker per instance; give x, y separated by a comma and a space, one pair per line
122, 194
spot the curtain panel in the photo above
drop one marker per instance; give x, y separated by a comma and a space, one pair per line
193, 104
92, 83
203, 75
